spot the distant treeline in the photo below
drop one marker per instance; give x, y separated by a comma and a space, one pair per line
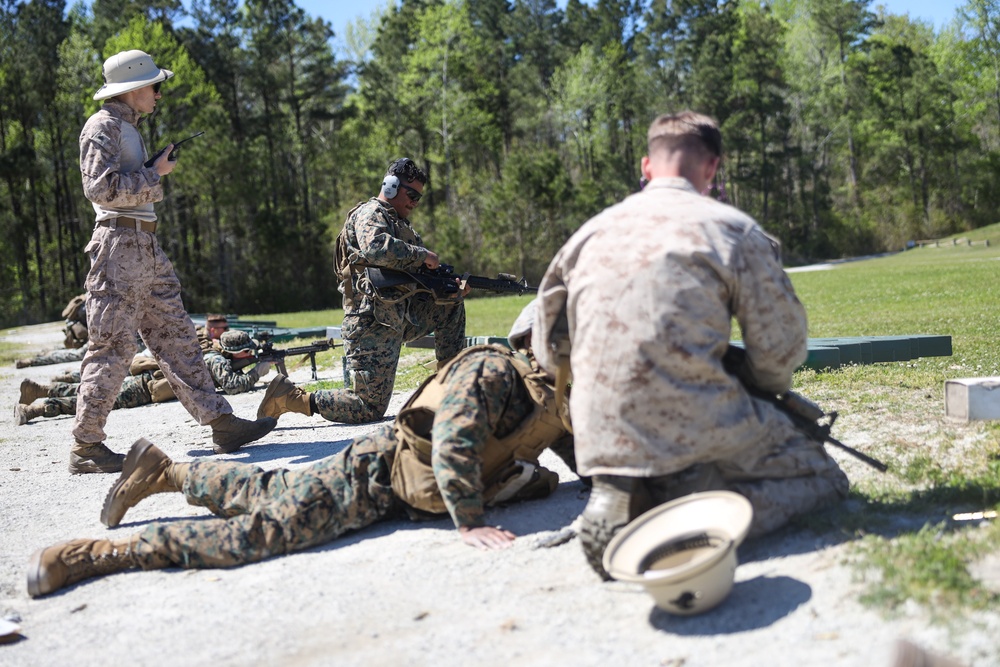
847, 131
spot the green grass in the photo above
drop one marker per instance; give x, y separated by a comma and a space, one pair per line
9, 353
909, 547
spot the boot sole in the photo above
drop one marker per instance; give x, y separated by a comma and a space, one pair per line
140, 447
231, 447
595, 537
85, 467
272, 389
35, 575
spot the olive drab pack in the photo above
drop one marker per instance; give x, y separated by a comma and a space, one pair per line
509, 465
75, 314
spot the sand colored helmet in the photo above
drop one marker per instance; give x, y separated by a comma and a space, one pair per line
683, 552
236, 341
129, 70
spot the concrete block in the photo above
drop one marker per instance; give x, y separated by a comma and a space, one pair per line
970, 399
333, 332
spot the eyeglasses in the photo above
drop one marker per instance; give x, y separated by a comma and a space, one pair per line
156, 86
412, 193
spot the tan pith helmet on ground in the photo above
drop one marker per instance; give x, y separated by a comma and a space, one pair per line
683, 552
129, 70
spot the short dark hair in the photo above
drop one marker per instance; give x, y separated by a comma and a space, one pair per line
686, 131
217, 319
407, 170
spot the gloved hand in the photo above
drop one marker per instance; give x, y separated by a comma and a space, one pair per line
263, 368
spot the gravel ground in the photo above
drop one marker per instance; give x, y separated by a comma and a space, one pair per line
399, 592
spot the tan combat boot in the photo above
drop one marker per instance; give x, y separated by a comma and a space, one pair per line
69, 377
31, 390
282, 396
66, 563
25, 413
93, 457
147, 470
22, 363
229, 432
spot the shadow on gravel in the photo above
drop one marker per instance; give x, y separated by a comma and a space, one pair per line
256, 453
753, 604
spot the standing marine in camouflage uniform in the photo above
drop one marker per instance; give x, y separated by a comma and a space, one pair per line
131, 284
649, 288
143, 385
377, 233
468, 438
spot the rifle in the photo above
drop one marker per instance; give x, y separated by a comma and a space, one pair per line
443, 283
173, 154
267, 352
804, 413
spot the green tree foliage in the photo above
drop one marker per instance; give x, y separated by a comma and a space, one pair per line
846, 131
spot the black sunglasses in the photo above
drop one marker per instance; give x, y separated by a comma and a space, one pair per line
411, 193
156, 86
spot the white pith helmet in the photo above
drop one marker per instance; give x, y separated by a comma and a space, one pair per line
683, 552
129, 70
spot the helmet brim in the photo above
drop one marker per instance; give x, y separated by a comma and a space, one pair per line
115, 89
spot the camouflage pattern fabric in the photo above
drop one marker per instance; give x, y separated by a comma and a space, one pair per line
111, 162
131, 284
372, 352
483, 395
225, 378
373, 331
60, 356
204, 340
268, 513
377, 236
57, 389
795, 478
134, 392
650, 287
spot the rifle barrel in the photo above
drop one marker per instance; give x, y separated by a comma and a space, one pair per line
861, 456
